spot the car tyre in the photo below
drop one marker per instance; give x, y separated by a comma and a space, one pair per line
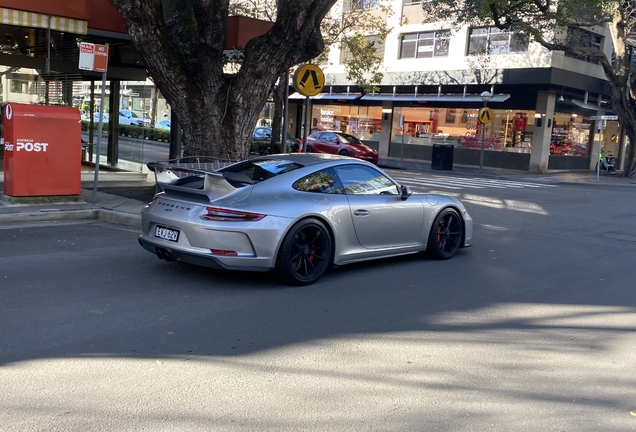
305, 253
446, 235
309, 149
343, 153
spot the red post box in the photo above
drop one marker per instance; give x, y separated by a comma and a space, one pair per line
42, 150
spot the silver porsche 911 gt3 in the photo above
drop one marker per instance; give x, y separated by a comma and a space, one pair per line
298, 214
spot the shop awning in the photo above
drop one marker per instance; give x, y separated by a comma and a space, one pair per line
589, 106
434, 98
43, 21
329, 96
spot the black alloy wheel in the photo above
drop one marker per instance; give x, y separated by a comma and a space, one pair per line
343, 153
446, 235
305, 253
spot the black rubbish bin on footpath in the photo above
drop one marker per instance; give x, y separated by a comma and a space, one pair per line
442, 158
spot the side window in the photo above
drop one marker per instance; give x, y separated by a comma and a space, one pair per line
363, 180
329, 137
325, 181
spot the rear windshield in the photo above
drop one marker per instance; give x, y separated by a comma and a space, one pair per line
259, 170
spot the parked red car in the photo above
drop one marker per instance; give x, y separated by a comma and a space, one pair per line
334, 142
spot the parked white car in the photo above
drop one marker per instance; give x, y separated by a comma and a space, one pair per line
163, 124
96, 118
128, 117
144, 117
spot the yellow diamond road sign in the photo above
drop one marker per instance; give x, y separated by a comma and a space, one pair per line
485, 115
309, 80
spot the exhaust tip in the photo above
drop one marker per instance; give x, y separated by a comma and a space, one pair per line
163, 254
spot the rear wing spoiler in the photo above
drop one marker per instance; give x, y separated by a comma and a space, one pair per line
199, 183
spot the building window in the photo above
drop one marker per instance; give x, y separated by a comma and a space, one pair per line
425, 45
491, 40
583, 39
366, 4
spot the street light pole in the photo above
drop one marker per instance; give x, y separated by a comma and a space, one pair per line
485, 97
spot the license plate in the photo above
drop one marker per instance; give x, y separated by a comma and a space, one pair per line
166, 233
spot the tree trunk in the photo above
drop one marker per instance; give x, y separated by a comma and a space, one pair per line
622, 105
182, 46
153, 114
278, 94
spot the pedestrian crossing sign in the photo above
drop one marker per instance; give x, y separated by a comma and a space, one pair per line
309, 80
485, 115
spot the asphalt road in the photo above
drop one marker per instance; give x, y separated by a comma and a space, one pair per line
532, 329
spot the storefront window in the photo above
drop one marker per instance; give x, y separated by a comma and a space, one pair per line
570, 135
509, 131
362, 122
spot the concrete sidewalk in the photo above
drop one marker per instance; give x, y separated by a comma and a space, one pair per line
128, 192
106, 206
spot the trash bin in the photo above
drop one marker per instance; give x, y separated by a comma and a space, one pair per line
442, 158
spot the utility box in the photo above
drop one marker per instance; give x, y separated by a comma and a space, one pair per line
42, 150
442, 157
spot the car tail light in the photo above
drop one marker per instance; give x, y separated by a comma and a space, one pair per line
223, 252
218, 214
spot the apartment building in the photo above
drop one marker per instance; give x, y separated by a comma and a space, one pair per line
543, 102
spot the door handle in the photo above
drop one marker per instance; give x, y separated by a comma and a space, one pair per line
362, 212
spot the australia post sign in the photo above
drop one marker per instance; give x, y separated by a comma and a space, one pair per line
42, 150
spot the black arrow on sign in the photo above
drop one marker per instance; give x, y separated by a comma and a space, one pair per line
314, 78
305, 76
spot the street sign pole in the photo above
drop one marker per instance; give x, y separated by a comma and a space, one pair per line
402, 145
600, 152
99, 64
483, 144
306, 125
100, 127
285, 111
485, 117
308, 80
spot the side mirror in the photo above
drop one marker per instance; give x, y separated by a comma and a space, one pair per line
405, 192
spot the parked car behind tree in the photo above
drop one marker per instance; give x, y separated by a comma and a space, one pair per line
263, 133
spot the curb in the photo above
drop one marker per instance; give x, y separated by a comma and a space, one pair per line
126, 219
601, 183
